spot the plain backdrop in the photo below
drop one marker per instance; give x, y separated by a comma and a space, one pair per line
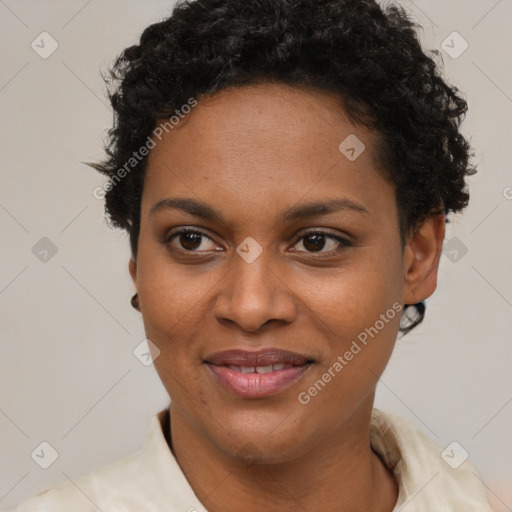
69, 376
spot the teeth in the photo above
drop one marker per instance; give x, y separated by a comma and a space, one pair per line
259, 369
263, 369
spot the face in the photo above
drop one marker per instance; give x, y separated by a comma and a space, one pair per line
246, 270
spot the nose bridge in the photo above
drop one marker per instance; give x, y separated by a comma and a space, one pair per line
253, 277
252, 293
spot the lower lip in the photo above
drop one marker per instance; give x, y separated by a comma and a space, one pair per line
257, 385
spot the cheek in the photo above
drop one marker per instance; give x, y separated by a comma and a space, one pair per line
174, 317
171, 294
359, 308
174, 311
347, 378
352, 298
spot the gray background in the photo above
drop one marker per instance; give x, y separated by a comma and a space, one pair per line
68, 372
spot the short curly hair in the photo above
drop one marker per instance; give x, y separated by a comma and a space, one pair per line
369, 56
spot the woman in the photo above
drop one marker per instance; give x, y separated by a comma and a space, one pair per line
284, 170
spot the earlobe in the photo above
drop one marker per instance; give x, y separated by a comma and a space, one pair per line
421, 259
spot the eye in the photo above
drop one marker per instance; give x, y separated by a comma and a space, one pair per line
188, 240
193, 240
317, 240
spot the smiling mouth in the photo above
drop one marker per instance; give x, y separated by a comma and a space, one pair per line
257, 374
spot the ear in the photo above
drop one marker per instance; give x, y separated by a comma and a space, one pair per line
132, 267
421, 259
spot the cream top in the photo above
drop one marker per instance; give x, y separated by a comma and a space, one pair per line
150, 480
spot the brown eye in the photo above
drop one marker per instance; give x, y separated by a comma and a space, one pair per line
316, 241
188, 240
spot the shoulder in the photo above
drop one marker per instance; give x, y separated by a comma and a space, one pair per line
430, 477
148, 480
88, 493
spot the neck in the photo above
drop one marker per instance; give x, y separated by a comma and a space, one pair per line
339, 473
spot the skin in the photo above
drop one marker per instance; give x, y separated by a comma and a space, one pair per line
250, 153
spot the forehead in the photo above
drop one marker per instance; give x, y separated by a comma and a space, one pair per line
266, 144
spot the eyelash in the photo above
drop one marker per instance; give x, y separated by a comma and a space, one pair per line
167, 238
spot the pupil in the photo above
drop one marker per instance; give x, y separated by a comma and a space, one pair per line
187, 240
318, 242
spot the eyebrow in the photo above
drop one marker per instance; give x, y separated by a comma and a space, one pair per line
300, 211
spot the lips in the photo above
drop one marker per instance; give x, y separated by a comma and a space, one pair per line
257, 374
265, 357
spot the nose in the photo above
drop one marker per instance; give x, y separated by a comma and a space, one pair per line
252, 295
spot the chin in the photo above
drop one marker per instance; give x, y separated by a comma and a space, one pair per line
270, 439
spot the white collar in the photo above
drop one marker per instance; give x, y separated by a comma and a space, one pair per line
426, 481
151, 480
